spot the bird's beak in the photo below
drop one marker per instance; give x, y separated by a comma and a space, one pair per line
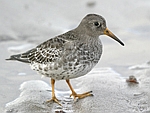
110, 34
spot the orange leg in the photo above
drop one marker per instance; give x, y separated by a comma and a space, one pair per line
75, 95
53, 93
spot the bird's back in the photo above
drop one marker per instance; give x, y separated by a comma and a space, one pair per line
63, 57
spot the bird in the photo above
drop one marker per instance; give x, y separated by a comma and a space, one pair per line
69, 55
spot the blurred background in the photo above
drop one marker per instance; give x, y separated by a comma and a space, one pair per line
27, 23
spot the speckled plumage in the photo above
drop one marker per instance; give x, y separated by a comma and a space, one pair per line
66, 56
66, 59
70, 55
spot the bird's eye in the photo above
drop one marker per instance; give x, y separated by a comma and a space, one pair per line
97, 24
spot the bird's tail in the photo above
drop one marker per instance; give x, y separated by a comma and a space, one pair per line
18, 57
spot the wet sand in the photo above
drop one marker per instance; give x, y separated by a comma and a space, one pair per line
112, 94
24, 24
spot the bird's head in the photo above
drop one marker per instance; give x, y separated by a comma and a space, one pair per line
95, 25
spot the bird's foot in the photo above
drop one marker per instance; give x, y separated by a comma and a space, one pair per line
80, 96
54, 99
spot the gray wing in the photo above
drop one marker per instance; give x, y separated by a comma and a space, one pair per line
49, 51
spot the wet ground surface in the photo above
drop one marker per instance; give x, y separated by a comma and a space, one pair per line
24, 24
111, 94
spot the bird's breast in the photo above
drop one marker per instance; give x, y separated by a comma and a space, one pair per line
83, 58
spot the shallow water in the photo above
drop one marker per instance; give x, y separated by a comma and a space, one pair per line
24, 24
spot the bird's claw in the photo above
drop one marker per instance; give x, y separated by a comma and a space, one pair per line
54, 99
80, 96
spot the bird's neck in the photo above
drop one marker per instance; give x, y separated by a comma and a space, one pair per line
83, 36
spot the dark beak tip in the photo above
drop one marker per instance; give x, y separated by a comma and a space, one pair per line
122, 44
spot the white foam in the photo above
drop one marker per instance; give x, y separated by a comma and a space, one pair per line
22, 74
21, 47
141, 66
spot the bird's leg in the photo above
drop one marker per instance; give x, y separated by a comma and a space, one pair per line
75, 95
53, 93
